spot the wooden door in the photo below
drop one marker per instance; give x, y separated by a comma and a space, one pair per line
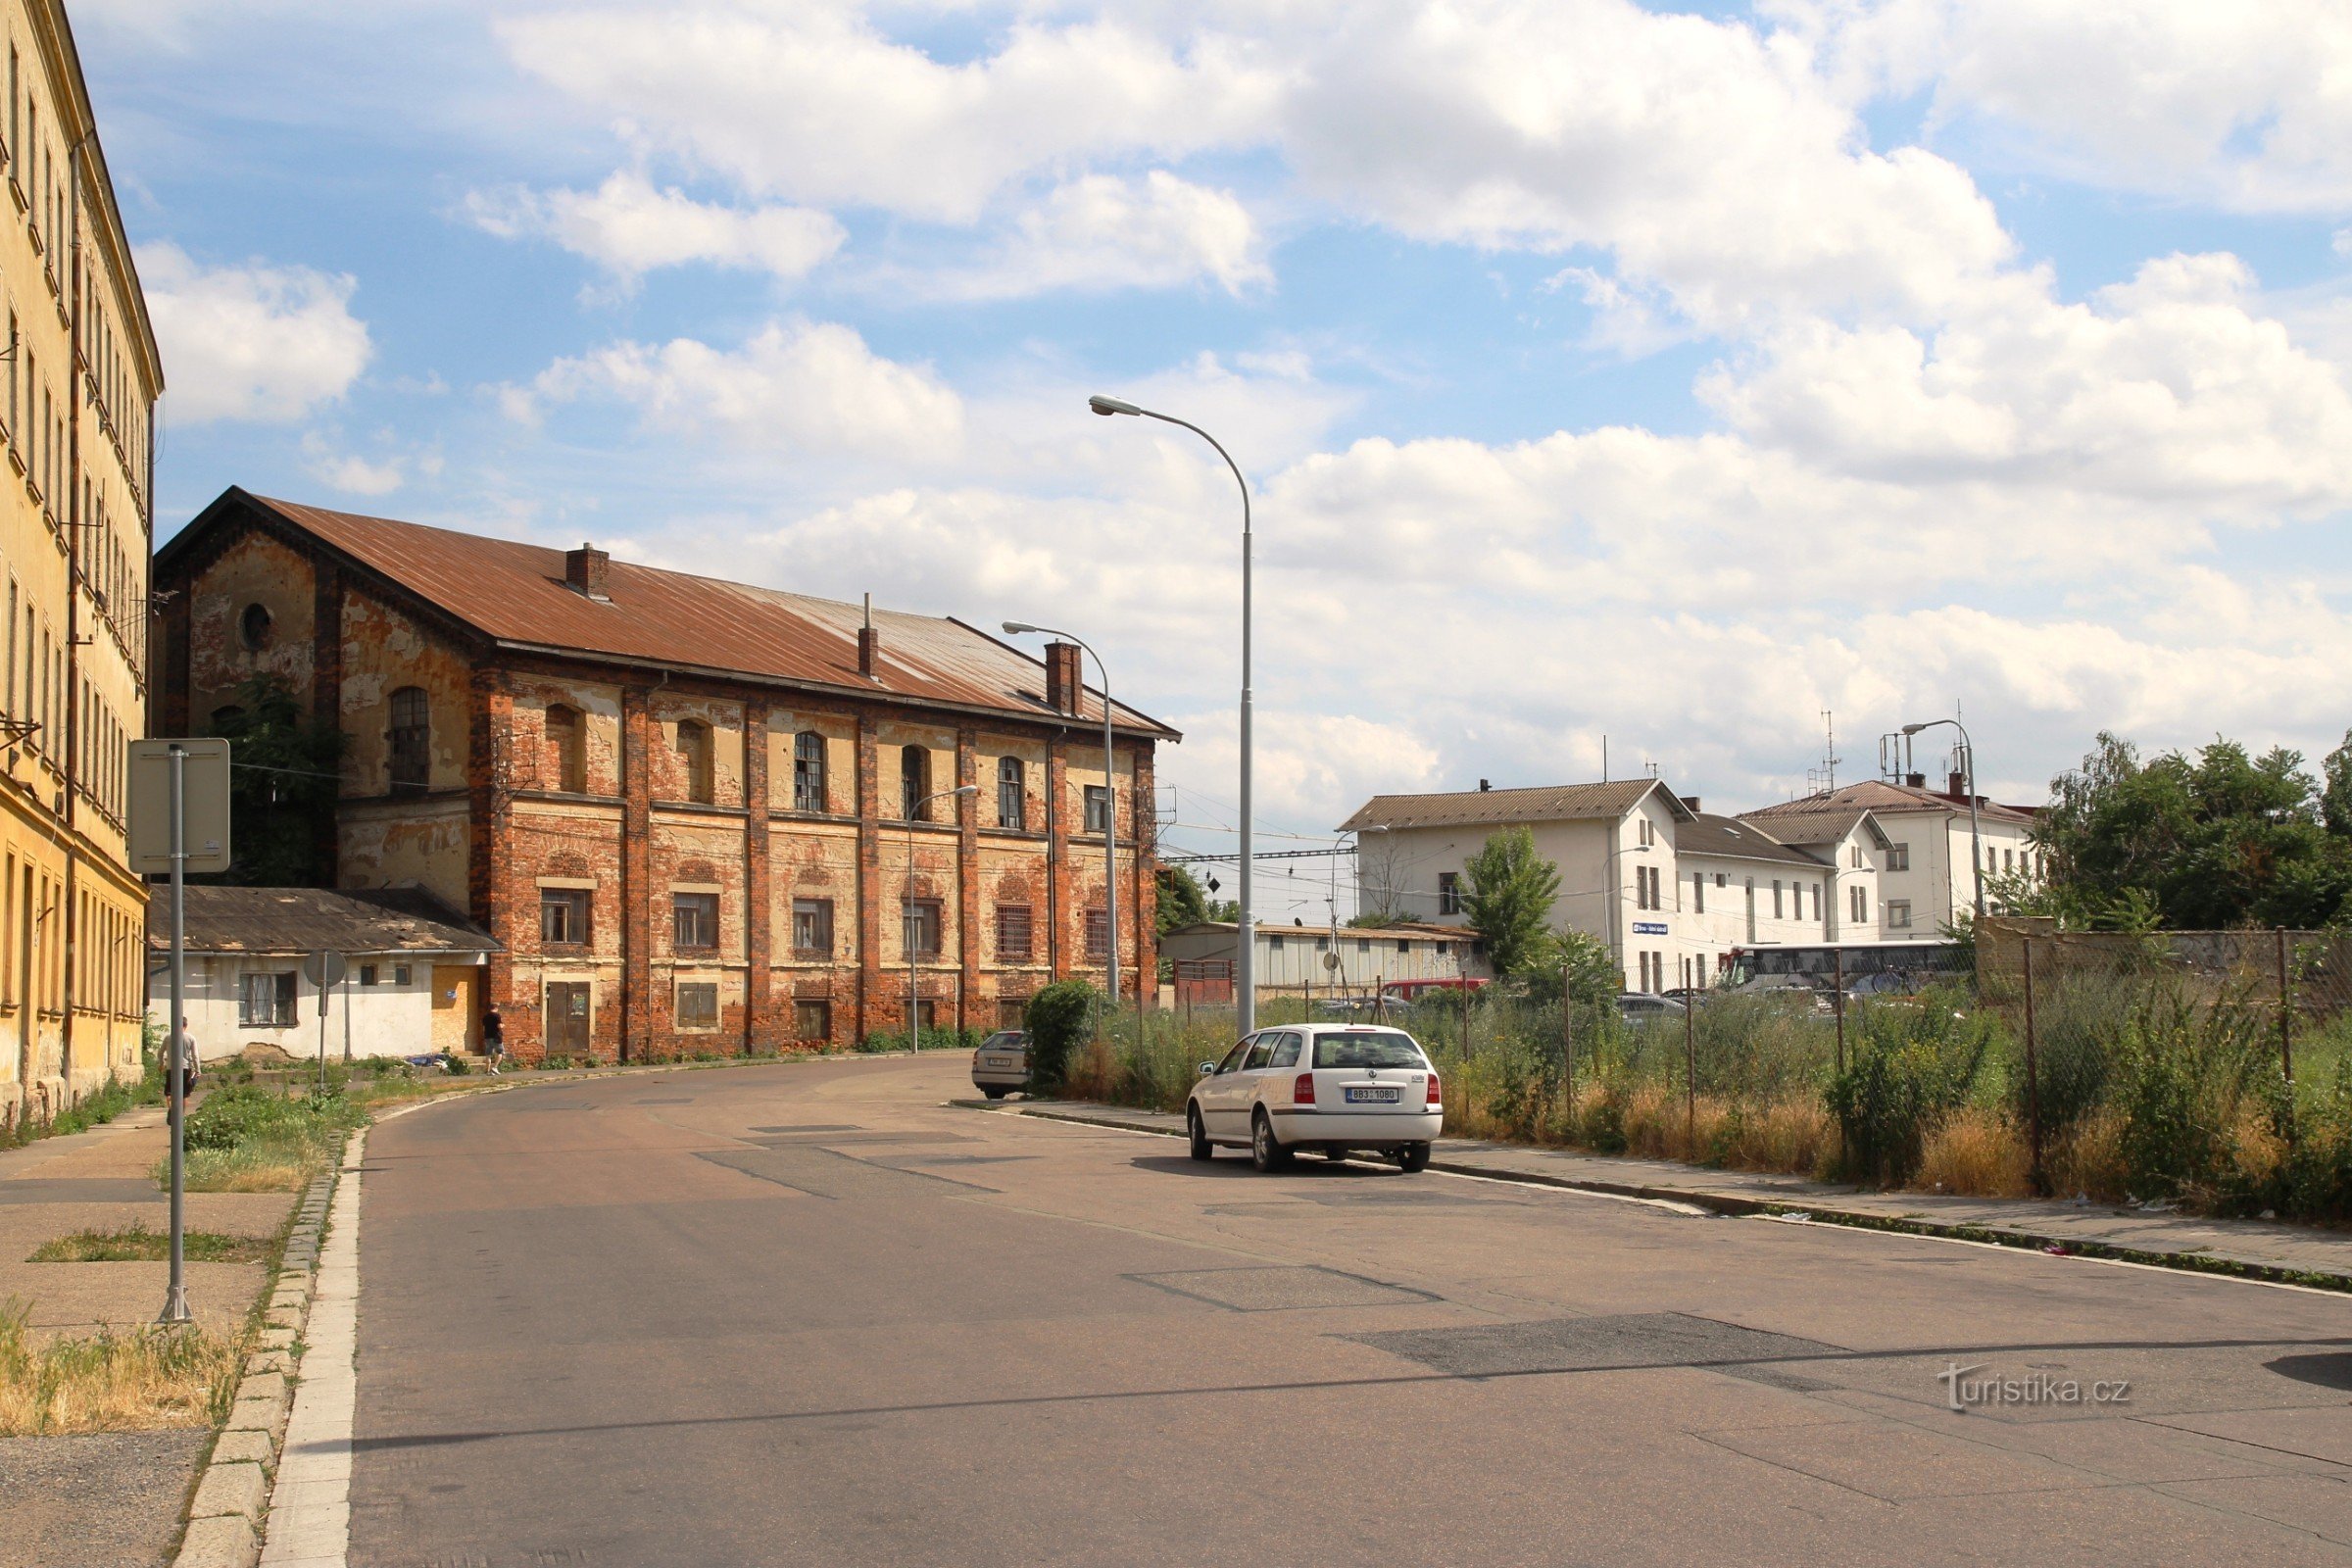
455, 1008
567, 1018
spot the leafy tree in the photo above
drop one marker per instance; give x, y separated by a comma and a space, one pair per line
1579, 958
2220, 839
1058, 1018
282, 787
1182, 902
1376, 919
1507, 897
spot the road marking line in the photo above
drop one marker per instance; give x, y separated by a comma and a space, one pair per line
309, 1512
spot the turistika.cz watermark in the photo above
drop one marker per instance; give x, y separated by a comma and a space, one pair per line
1963, 1391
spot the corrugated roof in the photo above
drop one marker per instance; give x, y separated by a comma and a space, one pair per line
1877, 795
515, 594
289, 920
1728, 837
1552, 803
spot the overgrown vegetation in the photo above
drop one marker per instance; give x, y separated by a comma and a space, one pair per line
113, 1381
283, 790
1059, 1017
95, 1109
246, 1137
136, 1244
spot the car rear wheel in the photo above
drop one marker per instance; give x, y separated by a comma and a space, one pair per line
995, 1090
1413, 1156
1265, 1150
1201, 1147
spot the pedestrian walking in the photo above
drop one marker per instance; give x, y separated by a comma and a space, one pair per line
494, 1036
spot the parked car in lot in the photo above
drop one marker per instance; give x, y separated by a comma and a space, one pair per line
1001, 1063
1639, 1007
1334, 1088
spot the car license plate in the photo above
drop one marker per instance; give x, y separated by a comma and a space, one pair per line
1376, 1094
1000, 1061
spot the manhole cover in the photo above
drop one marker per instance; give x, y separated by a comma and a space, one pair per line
1594, 1344
1279, 1289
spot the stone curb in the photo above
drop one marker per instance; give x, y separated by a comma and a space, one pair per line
224, 1521
1738, 1205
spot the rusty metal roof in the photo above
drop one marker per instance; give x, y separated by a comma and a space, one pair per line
515, 595
1551, 803
291, 920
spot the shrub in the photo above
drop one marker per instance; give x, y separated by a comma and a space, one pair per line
1058, 1018
1910, 1068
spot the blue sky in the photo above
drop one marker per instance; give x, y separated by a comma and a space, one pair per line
1599, 369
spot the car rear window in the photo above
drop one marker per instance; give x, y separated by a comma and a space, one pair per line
1369, 1047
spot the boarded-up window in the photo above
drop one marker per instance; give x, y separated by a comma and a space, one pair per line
812, 1020
568, 748
411, 739
914, 783
694, 760
698, 1004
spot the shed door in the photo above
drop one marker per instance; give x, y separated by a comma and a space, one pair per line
455, 1008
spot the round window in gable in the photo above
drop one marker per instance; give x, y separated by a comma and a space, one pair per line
254, 627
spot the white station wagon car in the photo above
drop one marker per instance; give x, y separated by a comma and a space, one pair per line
1329, 1087
1001, 1063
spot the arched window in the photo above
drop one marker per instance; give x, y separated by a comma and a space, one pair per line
694, 758
411, 739
808, 772
914, 782
568, 748
1012, 793
229, 721
254, 627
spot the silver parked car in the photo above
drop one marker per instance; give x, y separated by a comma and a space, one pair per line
1001, 1063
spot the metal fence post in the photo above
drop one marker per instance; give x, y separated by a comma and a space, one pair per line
1568, 1042
2286, 1035
1690, 1076
1837, 999
2033, 1073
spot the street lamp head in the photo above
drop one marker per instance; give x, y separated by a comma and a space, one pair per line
1015, 628
1110, 406
1913, 729
965, 789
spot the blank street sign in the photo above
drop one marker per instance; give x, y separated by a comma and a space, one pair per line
204, 794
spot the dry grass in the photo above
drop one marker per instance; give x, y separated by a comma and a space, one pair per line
136, 1244
144, 1380
2087, 1159
1978, 1153
271, 1167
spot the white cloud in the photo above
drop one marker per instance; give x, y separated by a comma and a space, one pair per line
813, 102
1100, 232
350, 472
629, 228
811, 387
251, 342
2246, 105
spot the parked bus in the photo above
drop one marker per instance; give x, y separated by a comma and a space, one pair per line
1820, 965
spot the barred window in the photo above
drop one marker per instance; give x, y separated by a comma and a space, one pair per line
1098, 935
1016, 934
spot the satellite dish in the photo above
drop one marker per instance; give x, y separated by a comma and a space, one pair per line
1331, 961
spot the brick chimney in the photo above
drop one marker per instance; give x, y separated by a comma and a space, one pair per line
1065, 683
870, 642
1692, 801
1960, 785
1918, 781
585, 570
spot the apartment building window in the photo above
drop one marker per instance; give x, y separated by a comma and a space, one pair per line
812, 1020
568, 748
1098, 809
808, 771
698, 1004
1854, 857
2008, 860
694, 761
411, 739
1898, 857
1098, 936
1449, 892
1012, 793
1699, 893
1898, 914
921, 927
1775, 902
914, 783
266, 1001
564, 915
693, 919
813, 927
1857, 900
1016, 934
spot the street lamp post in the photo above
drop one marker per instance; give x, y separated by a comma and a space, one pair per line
914, 1028
1110, 819
1975, 841
1244, 989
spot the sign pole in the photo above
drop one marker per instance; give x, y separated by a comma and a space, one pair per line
175, 1301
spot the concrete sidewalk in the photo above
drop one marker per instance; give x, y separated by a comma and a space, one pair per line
110, 1496
2302, 1254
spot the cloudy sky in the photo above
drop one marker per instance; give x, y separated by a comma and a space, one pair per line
1664, 374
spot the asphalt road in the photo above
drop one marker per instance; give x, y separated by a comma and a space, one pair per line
810, 1314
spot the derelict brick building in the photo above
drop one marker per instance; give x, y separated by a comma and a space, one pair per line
679, 804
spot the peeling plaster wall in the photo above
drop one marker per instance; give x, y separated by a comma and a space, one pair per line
383, 651
405, 843
536, 764
257, 569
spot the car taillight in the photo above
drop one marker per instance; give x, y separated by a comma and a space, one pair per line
1302, 1092
1433, 1091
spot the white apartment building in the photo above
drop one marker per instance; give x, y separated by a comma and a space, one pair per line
1672, 891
